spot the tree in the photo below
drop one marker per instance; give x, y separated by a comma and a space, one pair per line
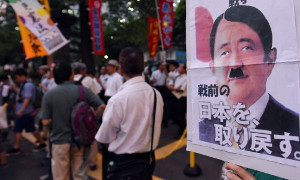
125, 24
179, 37
10, 46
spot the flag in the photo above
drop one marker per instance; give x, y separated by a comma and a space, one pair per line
37, 20
166, 15
153, 36
96, 26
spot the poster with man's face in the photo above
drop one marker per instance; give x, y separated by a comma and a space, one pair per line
243, 70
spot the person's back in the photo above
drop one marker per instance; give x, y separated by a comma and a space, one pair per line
128, 120
61, 100
56, 112
86, 78
134, 103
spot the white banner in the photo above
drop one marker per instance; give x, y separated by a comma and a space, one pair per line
243, 83
38, 21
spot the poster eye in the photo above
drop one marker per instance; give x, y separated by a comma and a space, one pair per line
247, 48
224, 53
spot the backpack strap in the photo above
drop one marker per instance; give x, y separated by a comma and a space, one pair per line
20, 97
81, 79
21, 89
79, 82
81, 93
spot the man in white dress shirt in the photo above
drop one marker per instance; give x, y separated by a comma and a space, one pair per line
81, 77
103, 81
177, 105
158, 81
173, 65
171, 76
115, 80
158, 77
127, 120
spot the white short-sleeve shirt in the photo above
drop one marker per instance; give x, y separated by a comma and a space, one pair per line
88, 82
127, 119
180, 82
160, 78
103, 78
113, 84
172, 76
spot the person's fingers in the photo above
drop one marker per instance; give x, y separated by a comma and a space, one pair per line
241, 172
232, 176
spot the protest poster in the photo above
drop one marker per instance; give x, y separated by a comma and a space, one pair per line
243, 83
38, 21
31, 44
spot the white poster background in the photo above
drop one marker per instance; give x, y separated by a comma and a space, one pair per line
51, 38
287, 51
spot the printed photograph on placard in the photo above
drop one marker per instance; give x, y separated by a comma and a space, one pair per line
273, 21
245, 78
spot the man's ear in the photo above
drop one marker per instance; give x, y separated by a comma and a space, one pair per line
71, 78
272, 56
212, 66
121, 70
271, 59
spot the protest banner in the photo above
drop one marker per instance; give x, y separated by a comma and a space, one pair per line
38, 21
96, 26
153, 36
32, 45
243, 79
166, 15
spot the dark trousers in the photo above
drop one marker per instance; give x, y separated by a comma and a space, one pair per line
166, 94
102, 97
106, 98
1, 143
130, 166
177, 110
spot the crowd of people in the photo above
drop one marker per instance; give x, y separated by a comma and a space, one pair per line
123, 101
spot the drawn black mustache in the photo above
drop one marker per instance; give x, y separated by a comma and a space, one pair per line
236, 73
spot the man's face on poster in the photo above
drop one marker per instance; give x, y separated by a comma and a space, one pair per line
240, 62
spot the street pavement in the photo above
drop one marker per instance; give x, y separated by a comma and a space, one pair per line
32, 165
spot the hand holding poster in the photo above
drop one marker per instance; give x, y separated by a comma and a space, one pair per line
243, 100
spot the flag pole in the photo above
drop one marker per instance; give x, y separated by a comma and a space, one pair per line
159, 27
